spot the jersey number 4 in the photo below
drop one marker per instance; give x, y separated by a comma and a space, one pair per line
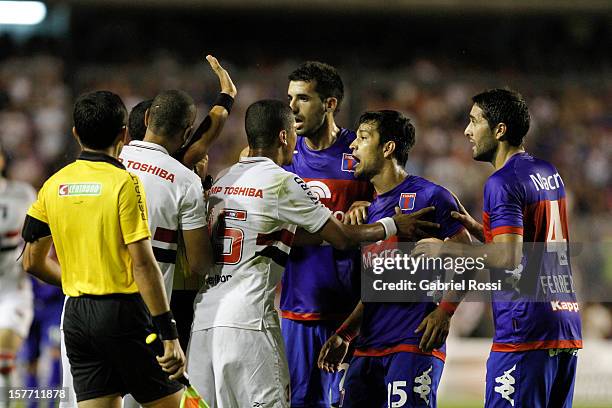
555, 240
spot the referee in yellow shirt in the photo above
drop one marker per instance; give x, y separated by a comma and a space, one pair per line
94, 212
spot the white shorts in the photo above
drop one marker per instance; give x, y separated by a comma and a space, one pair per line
17, 308
233, 367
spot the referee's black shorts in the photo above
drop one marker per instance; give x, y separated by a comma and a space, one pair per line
105, 342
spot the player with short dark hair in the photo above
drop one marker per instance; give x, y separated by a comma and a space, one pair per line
171, 112
255, 207
389, 365
328, 81
320, 284
263, 121
90, 109
136, 120
95, 214
537, 334
394, 127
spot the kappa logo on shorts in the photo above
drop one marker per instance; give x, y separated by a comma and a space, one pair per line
424, 381
79, 189
515, 277
506, 388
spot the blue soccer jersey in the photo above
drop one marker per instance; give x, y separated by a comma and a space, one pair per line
527, 197
319, 281
389, 327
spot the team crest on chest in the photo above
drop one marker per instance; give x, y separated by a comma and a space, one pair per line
348, 162
406, 201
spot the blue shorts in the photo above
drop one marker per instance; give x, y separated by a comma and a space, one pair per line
396, 380
310, 386
531, 379
45, 330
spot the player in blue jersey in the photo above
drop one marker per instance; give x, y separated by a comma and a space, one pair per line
318, 287
389, 367
537, 324
44, 338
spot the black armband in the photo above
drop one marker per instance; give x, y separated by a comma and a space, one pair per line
224, 100
34, 229
166, 326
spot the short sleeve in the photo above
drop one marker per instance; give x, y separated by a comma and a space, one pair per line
503, 206
298, 205
133, 211
192, 213
445, 203
38, 209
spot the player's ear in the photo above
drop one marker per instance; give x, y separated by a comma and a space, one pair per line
282, 137
76, 137
500, 131
125, 135
186, 134
146, 118
388, 149
122, 138
331, 104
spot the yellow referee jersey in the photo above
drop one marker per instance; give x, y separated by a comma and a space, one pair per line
94, 208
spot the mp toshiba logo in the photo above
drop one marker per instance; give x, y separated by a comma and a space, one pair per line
79, 189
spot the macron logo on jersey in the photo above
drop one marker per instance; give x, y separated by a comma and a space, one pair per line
546, 183
80, 189
406, 201
348, 162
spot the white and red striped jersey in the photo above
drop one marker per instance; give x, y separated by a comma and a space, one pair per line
254, 209
15, 199
174, 199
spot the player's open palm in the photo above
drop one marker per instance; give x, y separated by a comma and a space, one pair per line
227, 85
412, 227
332, 353
173, 360
435, 327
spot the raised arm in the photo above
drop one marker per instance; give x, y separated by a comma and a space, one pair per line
203, 137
